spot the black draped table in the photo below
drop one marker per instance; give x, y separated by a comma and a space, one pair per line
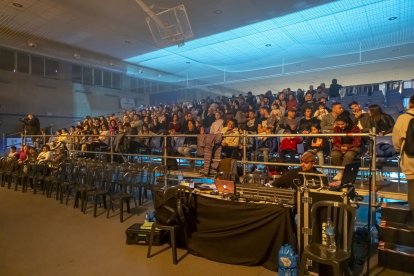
239, 233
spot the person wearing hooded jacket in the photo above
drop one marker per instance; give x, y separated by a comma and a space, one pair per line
407, 163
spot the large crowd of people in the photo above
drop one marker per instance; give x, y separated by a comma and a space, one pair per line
285, 112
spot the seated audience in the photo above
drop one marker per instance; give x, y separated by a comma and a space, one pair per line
190, 143
316, 144
289, 145
289, 122
361, 117
292, 103
13, 153
321, 111
23, 154
307, 120
230, 144
309, 103
217, 126
45, 155
382, 122
344, 148
328, 121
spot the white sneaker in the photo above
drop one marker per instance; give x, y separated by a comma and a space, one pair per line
338, 176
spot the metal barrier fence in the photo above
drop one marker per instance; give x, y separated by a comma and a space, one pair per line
71, 140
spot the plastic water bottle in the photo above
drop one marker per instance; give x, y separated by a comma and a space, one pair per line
330, 235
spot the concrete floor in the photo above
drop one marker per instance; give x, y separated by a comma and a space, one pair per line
40, 236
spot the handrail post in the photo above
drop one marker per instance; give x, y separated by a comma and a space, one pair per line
164, 149
374, 169
111, 144
244, 152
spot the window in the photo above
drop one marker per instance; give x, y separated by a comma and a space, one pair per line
87, 76
107, 79
116, 80
76, 73
23, 63
51, 68
6, 60
38, 66
134, 84
97, 77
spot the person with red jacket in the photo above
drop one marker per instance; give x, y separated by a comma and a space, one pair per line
289, 145
345, 148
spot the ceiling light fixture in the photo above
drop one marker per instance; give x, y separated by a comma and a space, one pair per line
218, 11
31, 44
392, 18
17, 5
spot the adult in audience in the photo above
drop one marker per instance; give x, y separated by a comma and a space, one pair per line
209, 118
251, 99
32, 155
382, 122
328, 121
23, 154
104, 134
190, 143
344, 148
320, 93
289, 122
334, 89
13, 153
241, 117
31, 124
306, 121
407, 162
276, 105
45, 155
300, 96
309, 103
230, 142
362, 118
144, 141
311, 90
217, 125
292, 103
175, 125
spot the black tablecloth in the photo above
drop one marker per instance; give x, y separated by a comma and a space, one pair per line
239, 233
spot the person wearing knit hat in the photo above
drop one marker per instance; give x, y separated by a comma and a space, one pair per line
288, 180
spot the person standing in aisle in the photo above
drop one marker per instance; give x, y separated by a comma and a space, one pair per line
407, 162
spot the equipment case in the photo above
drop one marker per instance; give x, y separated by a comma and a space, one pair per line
305, 199
139, 233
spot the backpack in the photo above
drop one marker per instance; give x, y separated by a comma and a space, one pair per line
409, 138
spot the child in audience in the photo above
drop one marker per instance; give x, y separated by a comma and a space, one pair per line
316, 144
321, 111
289, 145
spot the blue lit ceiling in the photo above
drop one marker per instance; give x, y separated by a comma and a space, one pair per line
336, 29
